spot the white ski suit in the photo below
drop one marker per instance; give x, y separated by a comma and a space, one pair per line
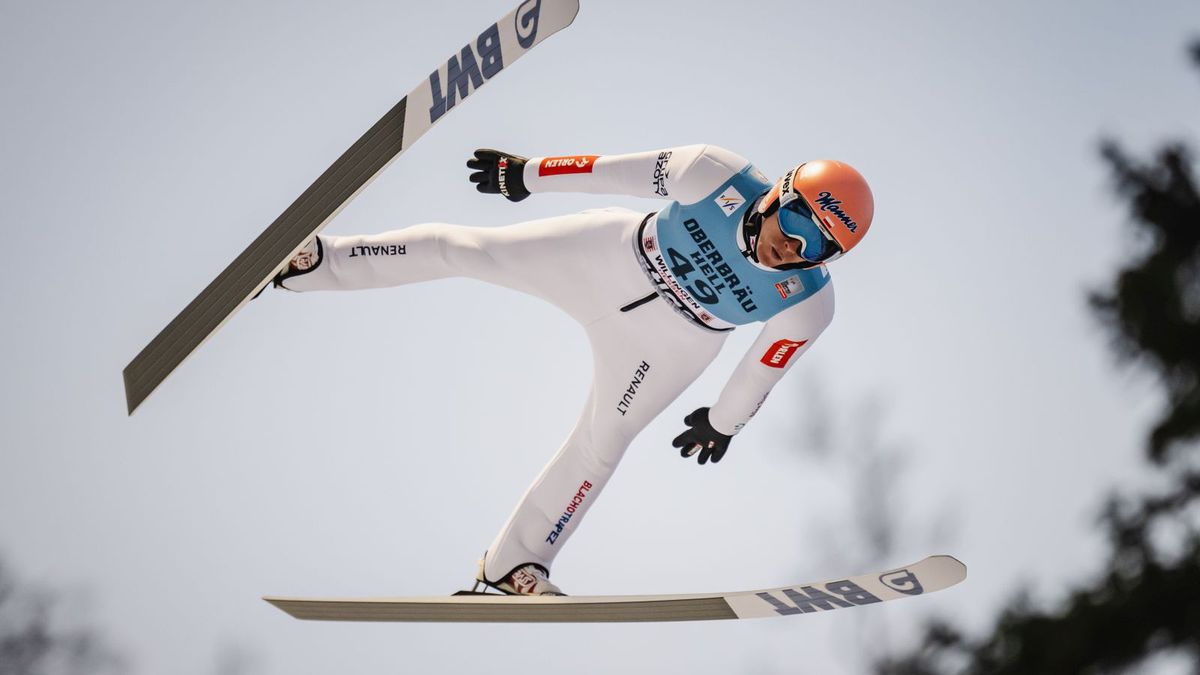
653, 328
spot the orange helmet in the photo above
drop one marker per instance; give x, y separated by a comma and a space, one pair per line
831, 195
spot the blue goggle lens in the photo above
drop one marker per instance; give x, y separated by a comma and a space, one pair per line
797, 221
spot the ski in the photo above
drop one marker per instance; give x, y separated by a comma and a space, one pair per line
480, 60
932, 574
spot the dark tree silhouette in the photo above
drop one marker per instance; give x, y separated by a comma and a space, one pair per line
33, 640
1146, 602
1154, 308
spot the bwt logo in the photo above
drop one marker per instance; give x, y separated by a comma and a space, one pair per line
527, 22
835, 595
904, 581
466, 72
475, 64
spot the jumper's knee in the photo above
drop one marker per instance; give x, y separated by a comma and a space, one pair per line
463, 250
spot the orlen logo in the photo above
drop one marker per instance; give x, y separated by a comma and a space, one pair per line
781, 352
556, 166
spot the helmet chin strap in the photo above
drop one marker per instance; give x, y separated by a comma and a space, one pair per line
751, 226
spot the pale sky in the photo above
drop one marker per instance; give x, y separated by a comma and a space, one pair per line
371, 443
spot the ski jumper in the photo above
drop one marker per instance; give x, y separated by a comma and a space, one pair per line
656, 294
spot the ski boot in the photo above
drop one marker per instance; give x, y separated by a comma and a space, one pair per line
306, 260
527, 579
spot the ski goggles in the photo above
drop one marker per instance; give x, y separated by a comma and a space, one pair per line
798, 222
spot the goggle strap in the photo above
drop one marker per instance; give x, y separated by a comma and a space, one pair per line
771, 209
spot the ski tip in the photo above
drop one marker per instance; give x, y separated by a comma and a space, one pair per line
948, 567
574, 5
564, 11
555, 15
947, 559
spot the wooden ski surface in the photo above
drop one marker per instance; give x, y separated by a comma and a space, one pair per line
932, 574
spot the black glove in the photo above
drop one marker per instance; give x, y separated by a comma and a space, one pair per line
711, 443
495, 172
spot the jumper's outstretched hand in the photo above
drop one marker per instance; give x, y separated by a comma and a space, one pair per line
499, 173
701, 437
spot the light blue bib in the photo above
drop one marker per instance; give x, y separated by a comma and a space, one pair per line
700, 247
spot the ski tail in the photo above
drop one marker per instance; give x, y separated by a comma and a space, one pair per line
485, 56
247, 274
